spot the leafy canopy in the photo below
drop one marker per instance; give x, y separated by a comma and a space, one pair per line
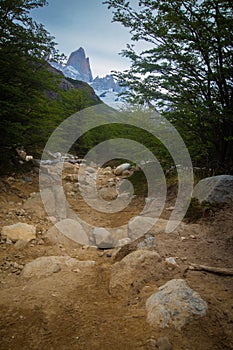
187, 68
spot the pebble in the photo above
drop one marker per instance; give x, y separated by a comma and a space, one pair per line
192, 236
164, 344
171, 261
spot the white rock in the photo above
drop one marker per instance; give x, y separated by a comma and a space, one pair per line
174, 304
19, 231
171, 261
119, 170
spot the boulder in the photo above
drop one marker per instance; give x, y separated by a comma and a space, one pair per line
132, 270
174, 304
48, 265
19, 231
41, 267
67, 232
103, 238
215, 189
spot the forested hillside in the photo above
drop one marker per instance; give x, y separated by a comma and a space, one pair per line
35, 98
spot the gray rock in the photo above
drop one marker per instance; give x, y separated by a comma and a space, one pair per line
67, 231
103, 238
174, 305
148, 242
19, 231
215, 189
90, 170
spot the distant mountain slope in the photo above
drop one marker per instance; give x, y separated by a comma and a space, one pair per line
78, 68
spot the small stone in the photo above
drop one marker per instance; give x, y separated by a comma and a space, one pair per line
40, 242
171, 261
90, 170
147, 242
76, 270
164, 344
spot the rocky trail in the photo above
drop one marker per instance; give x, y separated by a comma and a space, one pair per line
115, 292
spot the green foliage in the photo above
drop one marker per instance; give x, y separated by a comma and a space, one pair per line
32, 102
197, 211
126, 132
186, 70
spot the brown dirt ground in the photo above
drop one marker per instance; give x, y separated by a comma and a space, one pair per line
70, 310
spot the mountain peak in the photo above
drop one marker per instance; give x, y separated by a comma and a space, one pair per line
80, 62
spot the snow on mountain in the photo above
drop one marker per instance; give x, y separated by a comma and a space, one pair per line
78, 68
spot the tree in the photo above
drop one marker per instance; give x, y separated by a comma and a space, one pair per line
24, 74
187, 71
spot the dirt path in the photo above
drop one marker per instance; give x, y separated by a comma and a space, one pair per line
75, 310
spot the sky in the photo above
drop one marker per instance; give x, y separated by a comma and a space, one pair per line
87, 24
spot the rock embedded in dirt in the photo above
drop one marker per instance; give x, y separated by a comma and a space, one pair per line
215, 189
48, 265
19, 231
163, 343
123, 241
174, 304
108, 193
41, 267
139, 225
66, 232
171, 261
20, 244
90, 170
34, 203
103, 238
148, 242
134, 267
